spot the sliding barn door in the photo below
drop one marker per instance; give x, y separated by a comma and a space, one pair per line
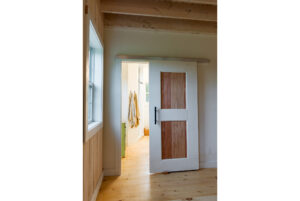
173, 116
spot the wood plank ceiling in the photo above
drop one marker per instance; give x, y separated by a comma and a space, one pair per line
193, 16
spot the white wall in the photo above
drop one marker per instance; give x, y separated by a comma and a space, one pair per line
125, 96
151, 43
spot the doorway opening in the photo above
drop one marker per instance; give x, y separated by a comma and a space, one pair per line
135, 115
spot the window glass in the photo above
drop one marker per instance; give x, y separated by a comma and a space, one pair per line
91, 85
95, 78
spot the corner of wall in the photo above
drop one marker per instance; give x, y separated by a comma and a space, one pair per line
208, 164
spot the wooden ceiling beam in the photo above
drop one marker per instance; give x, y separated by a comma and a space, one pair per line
208, 2
160, 24
163, 9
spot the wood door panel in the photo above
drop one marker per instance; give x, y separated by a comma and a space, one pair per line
173, 90
173, 139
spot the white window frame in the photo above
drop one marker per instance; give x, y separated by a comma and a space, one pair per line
94, 85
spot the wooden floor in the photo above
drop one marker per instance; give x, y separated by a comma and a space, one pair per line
137, 184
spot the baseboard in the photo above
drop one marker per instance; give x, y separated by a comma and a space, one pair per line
110, 172
208, 164
98, 186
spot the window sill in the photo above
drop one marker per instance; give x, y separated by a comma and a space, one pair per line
93, 125
93, 128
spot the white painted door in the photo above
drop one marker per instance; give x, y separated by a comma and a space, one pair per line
173, 116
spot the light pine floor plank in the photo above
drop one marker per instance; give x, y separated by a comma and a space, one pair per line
201, 198
137, 184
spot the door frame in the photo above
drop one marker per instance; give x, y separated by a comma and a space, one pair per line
118, 151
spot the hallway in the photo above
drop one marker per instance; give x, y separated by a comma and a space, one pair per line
137, 184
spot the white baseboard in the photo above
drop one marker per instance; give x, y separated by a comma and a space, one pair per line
110, 172
98, 186
208, 164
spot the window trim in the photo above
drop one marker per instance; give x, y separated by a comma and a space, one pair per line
94, 128
94, 83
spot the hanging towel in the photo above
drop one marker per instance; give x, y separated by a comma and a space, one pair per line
133, 111
137, 111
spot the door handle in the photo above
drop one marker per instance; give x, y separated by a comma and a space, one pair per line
155, 119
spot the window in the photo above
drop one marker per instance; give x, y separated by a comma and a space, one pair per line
91, 85
95, 82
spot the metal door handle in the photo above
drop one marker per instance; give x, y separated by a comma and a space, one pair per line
155, 110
